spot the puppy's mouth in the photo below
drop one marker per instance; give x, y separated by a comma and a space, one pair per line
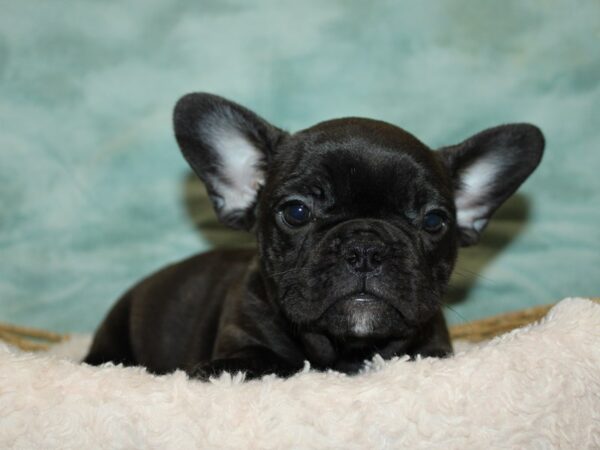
361, 315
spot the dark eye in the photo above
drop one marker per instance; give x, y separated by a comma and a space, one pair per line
295, 213
434, 221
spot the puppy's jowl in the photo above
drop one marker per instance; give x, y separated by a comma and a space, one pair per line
357, 225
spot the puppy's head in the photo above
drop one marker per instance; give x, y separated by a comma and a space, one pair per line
358, 222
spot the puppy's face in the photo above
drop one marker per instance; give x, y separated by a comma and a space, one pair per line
358, 222
356, 228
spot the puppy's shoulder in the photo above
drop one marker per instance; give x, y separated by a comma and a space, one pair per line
214, 264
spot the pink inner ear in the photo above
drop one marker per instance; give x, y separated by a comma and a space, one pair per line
240, 177
472, 197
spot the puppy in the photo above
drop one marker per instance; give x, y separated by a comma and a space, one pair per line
357, 225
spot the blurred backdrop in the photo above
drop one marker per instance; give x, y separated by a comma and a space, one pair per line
94, 193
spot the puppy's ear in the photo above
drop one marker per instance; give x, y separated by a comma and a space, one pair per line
486, 169
228, 147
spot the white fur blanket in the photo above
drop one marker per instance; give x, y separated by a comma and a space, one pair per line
537, 387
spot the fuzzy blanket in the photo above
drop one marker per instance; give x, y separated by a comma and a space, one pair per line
536, 387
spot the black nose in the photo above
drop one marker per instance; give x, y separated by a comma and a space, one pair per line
363, 257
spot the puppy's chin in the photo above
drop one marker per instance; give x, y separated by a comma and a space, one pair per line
363, 317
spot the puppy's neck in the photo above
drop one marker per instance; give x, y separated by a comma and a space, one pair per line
349, 355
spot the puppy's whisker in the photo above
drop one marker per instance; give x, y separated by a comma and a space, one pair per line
283, 272
467, 273
463, 318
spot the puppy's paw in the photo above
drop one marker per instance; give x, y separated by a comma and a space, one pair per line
216, 368
251, 368
440, 352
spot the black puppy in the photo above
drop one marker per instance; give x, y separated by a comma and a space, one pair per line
358, 225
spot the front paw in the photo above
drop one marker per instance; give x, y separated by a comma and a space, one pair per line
251, 368
214, 369
434, 352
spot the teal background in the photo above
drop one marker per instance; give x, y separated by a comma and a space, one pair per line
94, 193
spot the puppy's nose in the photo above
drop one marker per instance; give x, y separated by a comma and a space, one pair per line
363, 257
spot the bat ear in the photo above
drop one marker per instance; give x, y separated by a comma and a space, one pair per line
228, 147
488, 168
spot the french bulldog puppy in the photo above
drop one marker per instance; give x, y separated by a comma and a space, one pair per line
357, 223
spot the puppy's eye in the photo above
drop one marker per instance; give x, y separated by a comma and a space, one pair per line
434, 221
295, 213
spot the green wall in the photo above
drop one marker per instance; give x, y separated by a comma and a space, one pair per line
94, 193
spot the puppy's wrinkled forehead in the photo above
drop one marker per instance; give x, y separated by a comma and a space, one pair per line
361, 161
